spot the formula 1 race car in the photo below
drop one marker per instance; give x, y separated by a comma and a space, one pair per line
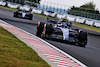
54, 30
23, 14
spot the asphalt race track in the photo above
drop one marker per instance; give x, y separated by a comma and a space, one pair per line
90, 55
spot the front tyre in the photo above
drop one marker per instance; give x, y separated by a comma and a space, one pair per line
83, 38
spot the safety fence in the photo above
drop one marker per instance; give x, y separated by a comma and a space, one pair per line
70, 18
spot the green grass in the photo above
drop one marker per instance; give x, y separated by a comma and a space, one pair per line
8, 8
77, 24
15, 53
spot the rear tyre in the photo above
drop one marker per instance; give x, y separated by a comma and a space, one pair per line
40, 29
83, 38
15, 14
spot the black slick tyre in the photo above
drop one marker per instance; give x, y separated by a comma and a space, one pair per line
30, 17
83, 38
48, 29
40, 27
15, 14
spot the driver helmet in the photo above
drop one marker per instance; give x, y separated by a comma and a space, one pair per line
63, 19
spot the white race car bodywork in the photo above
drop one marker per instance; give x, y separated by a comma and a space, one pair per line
65, 33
